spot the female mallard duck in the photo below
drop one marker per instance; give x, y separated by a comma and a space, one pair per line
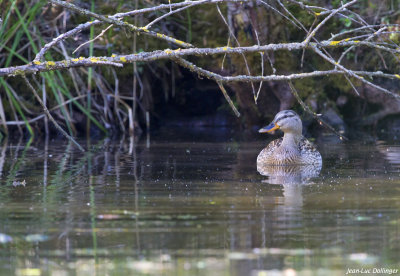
292, 148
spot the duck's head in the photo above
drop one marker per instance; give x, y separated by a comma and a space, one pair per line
286, 120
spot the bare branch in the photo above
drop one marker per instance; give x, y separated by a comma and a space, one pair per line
353, 74
171, 6
118, 60
110, 20
228, 99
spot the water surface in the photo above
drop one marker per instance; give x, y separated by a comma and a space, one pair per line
194, 204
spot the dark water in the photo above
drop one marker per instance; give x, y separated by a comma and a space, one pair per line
194, 204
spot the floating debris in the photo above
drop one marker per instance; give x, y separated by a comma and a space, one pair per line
36, 238
29, 272
17, 183
5, 238
108, 216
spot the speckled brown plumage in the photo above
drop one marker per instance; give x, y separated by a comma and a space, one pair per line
293, 148
306, 154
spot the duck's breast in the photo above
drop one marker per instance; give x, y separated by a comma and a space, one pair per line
267, 154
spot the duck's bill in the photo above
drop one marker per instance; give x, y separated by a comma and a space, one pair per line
269, 128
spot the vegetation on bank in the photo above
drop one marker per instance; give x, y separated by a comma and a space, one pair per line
115, 81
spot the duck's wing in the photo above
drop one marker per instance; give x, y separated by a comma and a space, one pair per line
268, 150
309, 152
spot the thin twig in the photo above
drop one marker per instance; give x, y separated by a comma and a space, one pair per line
90, 41
237, 42
332, 13
262, 65
312, 113
228, 99
148, 26
134, 82
363, 28
280, 13
171, 6
50, 116
353, 74
225, 55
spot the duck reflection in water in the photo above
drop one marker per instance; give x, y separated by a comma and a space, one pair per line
292, 178
289, 174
